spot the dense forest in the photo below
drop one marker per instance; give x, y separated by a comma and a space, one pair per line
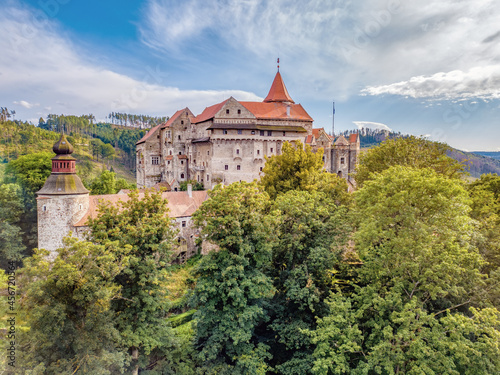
400, 277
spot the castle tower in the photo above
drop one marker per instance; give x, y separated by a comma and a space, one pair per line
62, 201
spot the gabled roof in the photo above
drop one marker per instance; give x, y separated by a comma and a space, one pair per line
149, 134
208, 113
341, 141
353, 138
278, 91
172, 119
179, 203
277, 111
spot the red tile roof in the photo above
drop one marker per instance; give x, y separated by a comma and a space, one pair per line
183, 157
276, 111
148, 134
309, 139
278, 91
208, 113
179, 203
169, 157
172, 119
353, 138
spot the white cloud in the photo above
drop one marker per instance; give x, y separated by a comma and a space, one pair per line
333, 47
478, 82
371, 125
25, 104
41, 66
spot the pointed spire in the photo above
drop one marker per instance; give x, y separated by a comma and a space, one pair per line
278, 91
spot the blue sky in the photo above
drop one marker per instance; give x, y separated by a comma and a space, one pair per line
427, 68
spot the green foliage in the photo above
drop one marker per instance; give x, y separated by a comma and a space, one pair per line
298, 168
311, 235
196, 185
412, 152
485, 195
11, 211
67, 305
411, 312
107, 183
142, 225
232, 290
30, 172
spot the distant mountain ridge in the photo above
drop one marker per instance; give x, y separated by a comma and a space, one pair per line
478, 162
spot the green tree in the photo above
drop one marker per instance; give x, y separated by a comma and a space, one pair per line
142, 223
311, 235
105, 183
485, 195
412, 152
11, 211
232, 289
298, 168
411, 311
30, 172
67, 305
195, 184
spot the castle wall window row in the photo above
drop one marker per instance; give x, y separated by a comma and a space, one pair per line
221, 141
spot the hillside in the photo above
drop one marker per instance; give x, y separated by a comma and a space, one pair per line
478, 162
97, 146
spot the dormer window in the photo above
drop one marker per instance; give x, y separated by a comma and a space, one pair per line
227, 111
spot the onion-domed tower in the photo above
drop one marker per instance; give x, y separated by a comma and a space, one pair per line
62, 201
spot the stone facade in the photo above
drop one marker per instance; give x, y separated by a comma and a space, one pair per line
228, 142
64, 206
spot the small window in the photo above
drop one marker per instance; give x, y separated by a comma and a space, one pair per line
272, 150
184, 223
80, 207
253, 132
170, 152
208, 152
182, 122
269, 133
155, 160
258, 152
240, 131
226, 167
260, 169
182, 162
323, 158
238, 167
44, 208
182, 175
208, 177
168, 162
237, 151
224, 131
342, 160
262, 133
180, 153
179, 137
284, 133
239, 111
227, 111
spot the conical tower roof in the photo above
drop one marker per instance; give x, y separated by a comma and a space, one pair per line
278, 92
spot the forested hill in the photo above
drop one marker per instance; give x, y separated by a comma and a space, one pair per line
478, 162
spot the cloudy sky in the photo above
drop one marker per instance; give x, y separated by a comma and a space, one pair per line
428, 68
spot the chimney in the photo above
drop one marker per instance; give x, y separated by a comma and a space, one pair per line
288, 110
190, 190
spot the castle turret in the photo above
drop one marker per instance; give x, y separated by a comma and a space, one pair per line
62, 201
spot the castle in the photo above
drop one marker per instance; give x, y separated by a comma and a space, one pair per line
64, 205
229, 141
